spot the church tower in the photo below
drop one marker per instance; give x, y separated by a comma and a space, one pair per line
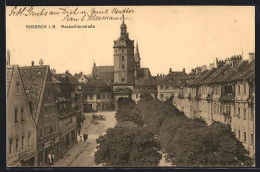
137, 57
124, 58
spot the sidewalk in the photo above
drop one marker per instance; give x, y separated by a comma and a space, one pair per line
71, 154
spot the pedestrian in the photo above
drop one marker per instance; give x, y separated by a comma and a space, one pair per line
50, 158
85, 137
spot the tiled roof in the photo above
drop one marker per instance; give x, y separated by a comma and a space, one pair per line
220, 71
146, 82
67, 111
105, 68
96, 84
198, 78
105, 73
9, 74
206, 75
247, 72
144, 72
174, 79
33, 78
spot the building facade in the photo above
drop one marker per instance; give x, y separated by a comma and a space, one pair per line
21, 129
225, 93
40, 93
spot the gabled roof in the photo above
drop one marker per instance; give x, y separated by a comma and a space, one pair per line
144, 72
220, 71
247, 72
34, 79
105, 68
105, 73
175, 79
198, 78
9, 74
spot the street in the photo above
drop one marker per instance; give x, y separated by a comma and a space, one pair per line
82, 153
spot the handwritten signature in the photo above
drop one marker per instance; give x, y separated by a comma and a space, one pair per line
73, 13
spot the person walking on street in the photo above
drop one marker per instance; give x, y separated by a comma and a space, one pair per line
85, 137
50, 158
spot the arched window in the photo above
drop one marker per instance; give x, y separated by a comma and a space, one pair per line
244, 89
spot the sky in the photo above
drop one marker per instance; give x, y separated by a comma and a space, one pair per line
174, 37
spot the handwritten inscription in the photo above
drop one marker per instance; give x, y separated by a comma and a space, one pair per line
75, 14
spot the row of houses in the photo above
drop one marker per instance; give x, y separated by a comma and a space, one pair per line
42, 110
224, 93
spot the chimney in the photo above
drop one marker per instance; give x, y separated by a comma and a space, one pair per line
170, 70
53, 71
8, 58
32, 63
251, 56
183, 70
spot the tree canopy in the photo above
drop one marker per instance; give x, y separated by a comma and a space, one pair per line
128, 147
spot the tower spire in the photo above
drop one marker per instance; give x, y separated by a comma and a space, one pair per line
123, 27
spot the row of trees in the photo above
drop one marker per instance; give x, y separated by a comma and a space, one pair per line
128, 144
145, 128
191, 142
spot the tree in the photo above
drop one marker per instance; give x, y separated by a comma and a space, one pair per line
191, 142
128, 111
128, 147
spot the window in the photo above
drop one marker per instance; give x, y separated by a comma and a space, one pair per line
252, 114
123, 79
29, 139
104, 96
123, 66
10, 145
15, 115
244, 89
22, 142
244, 136
161, 87
98, 96
161, 96
238, 113
122, 50
239, 134
107, 96
17, 87
252, 139
137, 96
123, 58
238, 89
234, 111
22, 117
244, 113
91, 96
16, 144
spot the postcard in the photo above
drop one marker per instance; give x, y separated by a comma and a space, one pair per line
130, 86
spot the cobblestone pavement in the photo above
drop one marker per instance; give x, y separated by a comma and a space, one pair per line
82, 153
